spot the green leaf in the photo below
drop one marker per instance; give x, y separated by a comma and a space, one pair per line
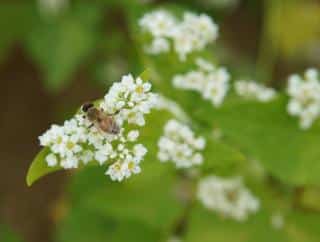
21, 18
310, 198
266, 132
85, 225
7, 235
145, 75
39, 167
222, 159
137, 199
59, 46
209, 227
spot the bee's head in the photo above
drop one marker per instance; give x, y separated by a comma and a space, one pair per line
86, 107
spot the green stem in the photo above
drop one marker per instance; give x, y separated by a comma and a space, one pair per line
268, 49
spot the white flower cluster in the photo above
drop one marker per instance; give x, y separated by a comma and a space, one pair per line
304, 95
228, 197
253, 90
78, 141
131, 98
212, 82
179, 145
192, 33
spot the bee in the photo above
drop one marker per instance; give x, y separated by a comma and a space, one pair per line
101, 120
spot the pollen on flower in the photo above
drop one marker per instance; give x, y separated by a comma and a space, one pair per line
179, 145
77, 141
228, 197
212, 82
191, 33
304, 95
253, 90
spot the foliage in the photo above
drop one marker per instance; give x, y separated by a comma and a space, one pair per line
241, 133
67, 40
8, 235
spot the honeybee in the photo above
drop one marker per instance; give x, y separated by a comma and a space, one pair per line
101, 120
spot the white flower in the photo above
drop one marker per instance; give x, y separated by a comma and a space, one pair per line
183, 43
53, 135
103, 153
70, 146
133, 135
159, 23
87, 156
211, 82
139, 151
204, 65
253, 90
133, 116
192, 33
228, 197
69, 162
80, 141
202, 27
58, 144
51, 160
134, 97
179, 145
304, 97
131, 167
200, 143
116, 171
158, 45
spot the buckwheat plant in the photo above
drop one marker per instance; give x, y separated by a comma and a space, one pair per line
254, 91
78, 142
180, 145
304, 95
191, 33
211, 81
228, 197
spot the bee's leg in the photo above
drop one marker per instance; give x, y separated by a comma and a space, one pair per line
90, 126
116, 112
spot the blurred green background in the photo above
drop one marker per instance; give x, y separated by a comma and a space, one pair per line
57, 54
